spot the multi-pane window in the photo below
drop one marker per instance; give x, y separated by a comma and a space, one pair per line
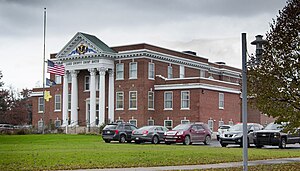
57, 79
57, 105
202, 73
87, 83
119, 100
57, 123
168, 100
230, 123
221, 100
185, 99
41, 104
133, 122
132, 100
168, 124
170, 72
151, 70
150, 100
120, 71
185, 121
69, 101
221, 123
150, 122
210, 124
132, 70
181, 71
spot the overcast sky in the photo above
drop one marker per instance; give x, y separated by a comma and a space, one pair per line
212, 28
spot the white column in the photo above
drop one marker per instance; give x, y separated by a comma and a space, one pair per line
74, 98
102, 72
111, 99
65, 99
93, 97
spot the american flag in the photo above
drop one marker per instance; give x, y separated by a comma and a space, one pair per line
55, 69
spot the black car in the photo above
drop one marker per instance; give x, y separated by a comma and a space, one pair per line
118, 132
275, 135
154, 134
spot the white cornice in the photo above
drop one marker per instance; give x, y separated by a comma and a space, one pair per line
196, 86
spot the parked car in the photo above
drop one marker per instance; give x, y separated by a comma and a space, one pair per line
222, 129
154, 134
118, 132
188, 134
235, 134
276, 135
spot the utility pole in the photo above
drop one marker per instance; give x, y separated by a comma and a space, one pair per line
244, 102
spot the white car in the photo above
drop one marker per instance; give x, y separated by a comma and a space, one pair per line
222, 129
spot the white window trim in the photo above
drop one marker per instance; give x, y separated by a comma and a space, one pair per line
57, 110
152, 101
39, 109
202, 72
185, 120
122, 71
151, 63
57, 120
150, 120
185, 108
133, 120
220, 99
165, 100
171, 74
39, 123
181, 71
130, 76
117, 100
136, 101
171, 123
212, 127
87, 76
58, 79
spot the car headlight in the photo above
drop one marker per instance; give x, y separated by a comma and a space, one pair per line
276, 135
180, 133
237, 135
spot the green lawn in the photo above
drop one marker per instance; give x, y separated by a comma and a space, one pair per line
51, 152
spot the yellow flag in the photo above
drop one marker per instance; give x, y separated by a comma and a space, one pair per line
47, 96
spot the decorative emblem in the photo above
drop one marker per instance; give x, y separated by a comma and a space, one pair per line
81, 49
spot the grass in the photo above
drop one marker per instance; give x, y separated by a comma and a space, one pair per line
53, 152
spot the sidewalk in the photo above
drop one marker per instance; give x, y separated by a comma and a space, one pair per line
207, 166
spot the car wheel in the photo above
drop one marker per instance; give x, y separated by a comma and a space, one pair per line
207, 140
155, 140
223, 144
122, 139
187, 140
168, 143
259, 146
282, 144
129, 141
107, 141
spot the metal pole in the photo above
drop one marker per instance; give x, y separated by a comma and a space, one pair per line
244, 102
44, 60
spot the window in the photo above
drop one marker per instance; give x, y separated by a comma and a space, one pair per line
202, 73
69, 102
151, 70
230, 123
221, 100
170, 72
133, 122
69, 78
185, 121
132, 70
181, 71
57, 79
41, 105
150, 100
221, 123
185, 99
120, 71
40, 124
210, 124
87, 83
168, 98
150, 122
133, 100
57, 105
168, 124
57, 123
119, 100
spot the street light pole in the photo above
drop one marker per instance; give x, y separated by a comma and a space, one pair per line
244, 102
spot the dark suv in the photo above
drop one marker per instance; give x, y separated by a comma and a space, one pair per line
276, 135
188, 134
118, 132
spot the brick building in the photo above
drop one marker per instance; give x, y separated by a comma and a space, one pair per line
142, 84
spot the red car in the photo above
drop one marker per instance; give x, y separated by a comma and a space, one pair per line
188, 134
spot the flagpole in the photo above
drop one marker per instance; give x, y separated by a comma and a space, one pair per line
44, 61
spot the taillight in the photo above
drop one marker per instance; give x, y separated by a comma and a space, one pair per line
145, 132
133, 132
116, 131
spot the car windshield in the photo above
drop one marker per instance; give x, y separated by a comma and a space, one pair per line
182, 127
110, 127
238, 127
273, 126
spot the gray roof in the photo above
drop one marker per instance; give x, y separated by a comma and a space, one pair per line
98, 42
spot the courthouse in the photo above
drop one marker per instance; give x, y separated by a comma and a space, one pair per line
141, 83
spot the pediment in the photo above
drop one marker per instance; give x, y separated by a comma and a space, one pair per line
83, 44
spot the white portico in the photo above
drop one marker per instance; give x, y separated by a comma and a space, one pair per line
87, 52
